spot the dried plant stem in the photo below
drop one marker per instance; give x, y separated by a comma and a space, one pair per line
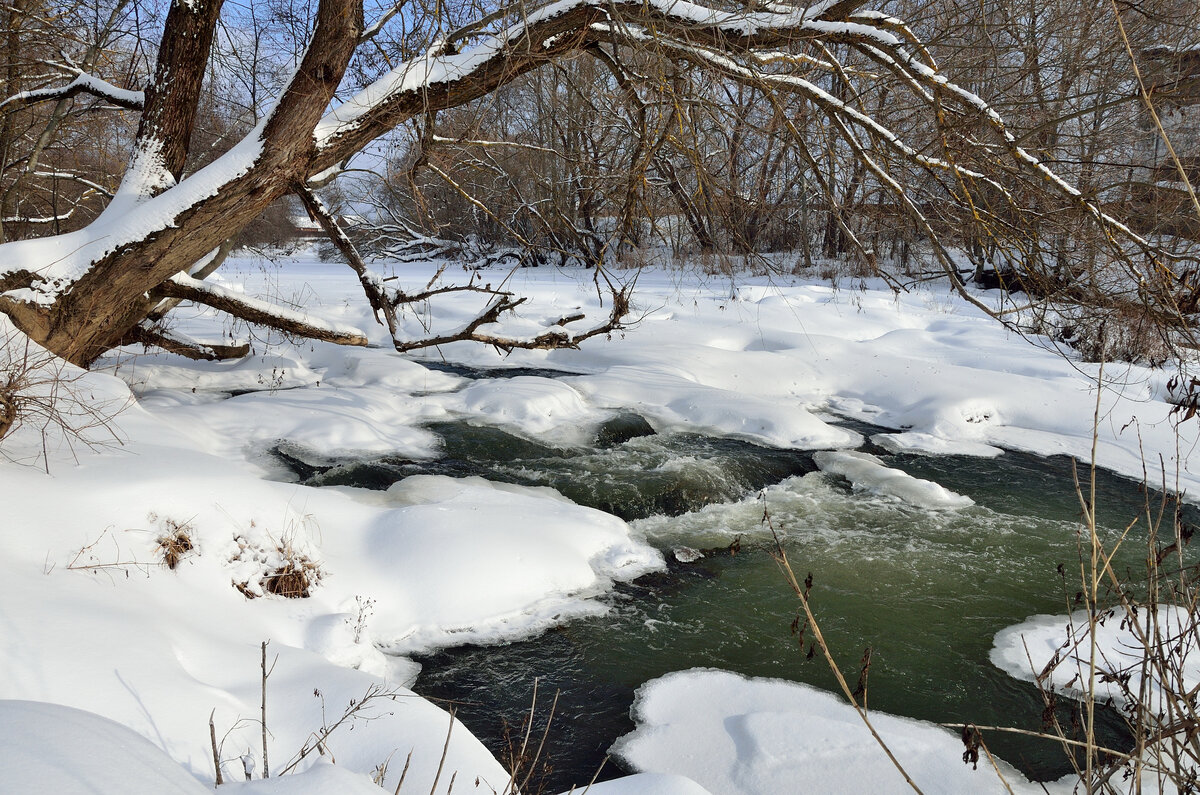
403, 773
780, 556
265, 674
1031, 733
595, 776
212, 736
445, 752
1093, 581
532, 765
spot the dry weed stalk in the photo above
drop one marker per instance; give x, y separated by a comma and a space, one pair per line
1151, 677
521, 763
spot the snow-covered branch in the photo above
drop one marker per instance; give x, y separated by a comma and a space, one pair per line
552, 337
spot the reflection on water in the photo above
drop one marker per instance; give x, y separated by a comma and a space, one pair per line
926, 590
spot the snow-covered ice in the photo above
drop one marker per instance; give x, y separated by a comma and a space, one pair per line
746, 736
1027, 650
868, 473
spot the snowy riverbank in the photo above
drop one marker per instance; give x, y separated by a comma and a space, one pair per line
93, 620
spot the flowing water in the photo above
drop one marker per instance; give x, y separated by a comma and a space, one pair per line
925, 590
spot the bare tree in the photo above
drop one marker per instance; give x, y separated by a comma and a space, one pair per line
81, 293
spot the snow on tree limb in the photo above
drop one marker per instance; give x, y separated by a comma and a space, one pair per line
371, 282
82, 84
442, 77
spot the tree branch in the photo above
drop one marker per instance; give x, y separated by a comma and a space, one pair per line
371, 283
553, 338
82, 84
196, 350
258, 312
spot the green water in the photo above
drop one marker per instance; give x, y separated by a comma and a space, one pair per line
629, 471
925, 590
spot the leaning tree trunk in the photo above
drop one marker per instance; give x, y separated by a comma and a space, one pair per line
117, 291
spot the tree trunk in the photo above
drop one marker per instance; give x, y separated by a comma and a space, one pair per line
110, 299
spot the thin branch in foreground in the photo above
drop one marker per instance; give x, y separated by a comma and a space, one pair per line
785, 567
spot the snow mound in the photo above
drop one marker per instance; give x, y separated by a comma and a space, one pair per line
737, 735
867, 473
52, 748
1027, 648
534, 405
455, 544
322, 778
675, 401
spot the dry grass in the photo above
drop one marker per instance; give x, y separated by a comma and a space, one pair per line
175, 542
285, 571
294, 578
39, 390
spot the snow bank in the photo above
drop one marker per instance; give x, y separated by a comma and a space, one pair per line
1029, 647
52, 748
736, 735
867, 473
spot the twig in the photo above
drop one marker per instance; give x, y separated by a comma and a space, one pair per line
781, 558
542, 743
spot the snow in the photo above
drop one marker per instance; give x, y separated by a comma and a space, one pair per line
644, 784
84, 82
925, 443
93, 620
745, 736
538, 406
868, 473
51, 748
